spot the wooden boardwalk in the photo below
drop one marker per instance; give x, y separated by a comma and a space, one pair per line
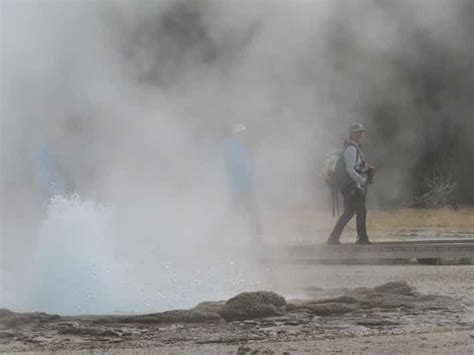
384, 250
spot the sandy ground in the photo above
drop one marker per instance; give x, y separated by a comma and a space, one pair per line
437, 342
452, 280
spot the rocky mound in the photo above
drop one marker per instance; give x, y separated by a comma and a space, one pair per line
9, 319
246, 305
260, 304
251, 305
176, 316
392, 295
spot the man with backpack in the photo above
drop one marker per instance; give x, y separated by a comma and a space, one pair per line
351, 176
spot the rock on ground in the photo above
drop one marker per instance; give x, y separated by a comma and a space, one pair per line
251, 305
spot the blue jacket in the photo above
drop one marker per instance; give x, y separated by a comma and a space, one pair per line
238, 166
47, 171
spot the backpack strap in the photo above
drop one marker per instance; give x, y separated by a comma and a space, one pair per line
358, 150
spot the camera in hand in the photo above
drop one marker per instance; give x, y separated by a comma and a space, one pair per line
370, 175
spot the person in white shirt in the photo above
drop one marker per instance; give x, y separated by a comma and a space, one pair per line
355, 192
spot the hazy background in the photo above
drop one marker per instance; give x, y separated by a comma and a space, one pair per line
136, 98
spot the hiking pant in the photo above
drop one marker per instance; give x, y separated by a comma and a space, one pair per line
245, 205
354, 202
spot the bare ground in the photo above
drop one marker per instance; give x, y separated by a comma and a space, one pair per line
436, 342
392, 317
443, 325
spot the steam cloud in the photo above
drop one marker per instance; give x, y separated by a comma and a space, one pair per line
136, 98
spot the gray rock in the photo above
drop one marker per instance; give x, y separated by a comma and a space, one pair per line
13, 319
213, 307
328, 309
176, 316
250, 305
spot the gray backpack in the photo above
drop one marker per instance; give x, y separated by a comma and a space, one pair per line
334, 172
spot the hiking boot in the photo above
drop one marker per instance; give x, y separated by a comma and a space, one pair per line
363, 241
333, 241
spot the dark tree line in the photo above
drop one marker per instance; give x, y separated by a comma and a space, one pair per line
440, 82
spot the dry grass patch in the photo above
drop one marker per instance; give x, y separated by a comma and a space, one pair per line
313, 225
462, 219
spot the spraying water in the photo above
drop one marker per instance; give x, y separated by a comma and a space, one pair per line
71, 264
77, 269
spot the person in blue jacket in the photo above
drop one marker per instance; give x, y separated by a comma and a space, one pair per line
47, 171
240, 176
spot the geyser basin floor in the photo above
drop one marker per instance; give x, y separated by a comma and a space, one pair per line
264, 322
